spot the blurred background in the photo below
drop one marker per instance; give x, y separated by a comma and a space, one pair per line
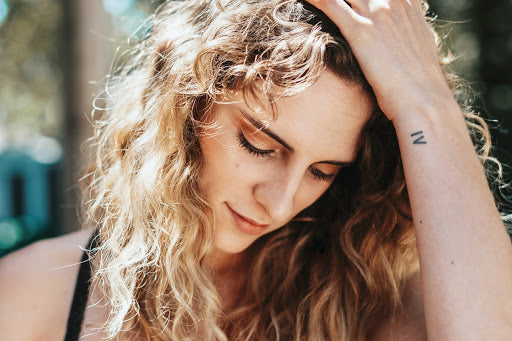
54, 55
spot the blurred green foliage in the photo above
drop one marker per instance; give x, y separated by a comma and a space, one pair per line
480, 36
31, 65
34, 42
30, 90
31, 36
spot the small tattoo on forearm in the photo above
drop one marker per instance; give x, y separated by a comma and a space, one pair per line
420, 138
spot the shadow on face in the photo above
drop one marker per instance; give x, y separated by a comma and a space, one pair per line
259, 173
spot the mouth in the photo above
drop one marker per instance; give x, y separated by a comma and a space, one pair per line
245, 224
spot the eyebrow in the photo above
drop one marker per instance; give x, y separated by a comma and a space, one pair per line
262, 127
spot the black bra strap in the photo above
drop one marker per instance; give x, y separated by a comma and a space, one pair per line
80, 297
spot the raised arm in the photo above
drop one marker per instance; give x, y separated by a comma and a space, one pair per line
465, 253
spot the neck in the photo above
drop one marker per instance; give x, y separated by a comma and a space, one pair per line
223, 263
229, 275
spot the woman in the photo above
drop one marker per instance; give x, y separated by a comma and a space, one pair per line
258, 179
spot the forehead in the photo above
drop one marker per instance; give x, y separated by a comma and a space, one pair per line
324, 121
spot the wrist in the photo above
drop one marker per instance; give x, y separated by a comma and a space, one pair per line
422, 94
427, 110
437, 124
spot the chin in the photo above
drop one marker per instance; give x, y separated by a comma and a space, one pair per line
231, 244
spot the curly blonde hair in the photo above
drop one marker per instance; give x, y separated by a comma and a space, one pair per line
333, 272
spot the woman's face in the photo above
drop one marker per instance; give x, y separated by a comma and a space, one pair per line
259, 173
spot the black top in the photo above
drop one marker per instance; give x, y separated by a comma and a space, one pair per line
77, 311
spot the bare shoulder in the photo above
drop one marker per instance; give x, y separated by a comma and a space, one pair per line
409, 325
37, 285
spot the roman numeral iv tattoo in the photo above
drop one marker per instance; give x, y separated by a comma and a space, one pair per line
420, 138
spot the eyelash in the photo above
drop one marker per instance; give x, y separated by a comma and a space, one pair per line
267, 153
321, 175
251, 149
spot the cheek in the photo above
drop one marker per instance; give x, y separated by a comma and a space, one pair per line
212, 161
309, 194
225, 165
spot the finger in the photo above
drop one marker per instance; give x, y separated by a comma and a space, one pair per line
421, 4
418, 5
334, 4
357, 4
339, 11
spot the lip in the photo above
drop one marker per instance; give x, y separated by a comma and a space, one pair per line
245, 224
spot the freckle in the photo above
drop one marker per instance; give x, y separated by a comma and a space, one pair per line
237, 165
421, 221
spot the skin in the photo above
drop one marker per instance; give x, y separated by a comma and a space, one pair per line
465, 254
36, 288
323, 123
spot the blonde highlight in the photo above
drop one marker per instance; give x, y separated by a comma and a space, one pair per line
334, 272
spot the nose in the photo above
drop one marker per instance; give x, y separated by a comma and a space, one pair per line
277, 194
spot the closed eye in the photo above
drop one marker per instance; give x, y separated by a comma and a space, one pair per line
318, 174
252, 149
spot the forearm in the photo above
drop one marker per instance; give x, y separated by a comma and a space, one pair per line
465, 254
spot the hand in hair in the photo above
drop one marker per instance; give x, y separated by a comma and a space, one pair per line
395, 48
464, 252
